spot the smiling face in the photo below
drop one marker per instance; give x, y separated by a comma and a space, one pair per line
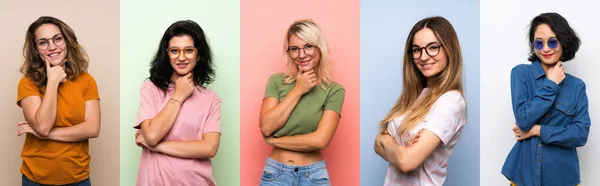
305, 56
428, 54
547, 55
182, 54
51, 44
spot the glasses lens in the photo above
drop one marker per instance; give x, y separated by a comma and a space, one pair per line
58, 40
173, 52
190, 52
416, 52
538, 44
553, 43
42, 44
433, 49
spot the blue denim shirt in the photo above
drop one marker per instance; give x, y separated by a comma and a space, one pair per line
562, 113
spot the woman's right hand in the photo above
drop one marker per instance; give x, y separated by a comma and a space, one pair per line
305, 81
184, 87
55, 74
556, 73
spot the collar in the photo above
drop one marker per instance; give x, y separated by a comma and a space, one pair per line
538, 70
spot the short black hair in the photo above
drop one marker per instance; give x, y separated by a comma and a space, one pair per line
566, 36
161, 69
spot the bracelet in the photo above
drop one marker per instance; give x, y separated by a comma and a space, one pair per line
174, 101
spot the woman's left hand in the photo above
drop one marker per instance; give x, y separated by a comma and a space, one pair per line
522, 135
141, 142
24, 127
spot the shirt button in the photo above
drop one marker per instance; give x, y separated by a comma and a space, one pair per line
539, 145
547, 115
539, 161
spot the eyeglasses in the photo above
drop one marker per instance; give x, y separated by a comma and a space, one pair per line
294, 51
188, 52
432, 50
538, 44
43, 43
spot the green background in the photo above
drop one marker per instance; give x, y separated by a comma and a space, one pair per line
142, 26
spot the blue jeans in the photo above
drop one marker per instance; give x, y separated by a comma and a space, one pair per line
276, 174
26, 182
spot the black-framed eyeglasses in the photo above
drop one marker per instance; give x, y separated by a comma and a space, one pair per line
294, 51
188, 52
552, 42
432, 50
43, 43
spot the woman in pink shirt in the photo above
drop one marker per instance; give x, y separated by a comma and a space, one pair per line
178, 118
421, 130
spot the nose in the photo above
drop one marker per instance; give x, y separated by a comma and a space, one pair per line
51, 46
181, 56
424, 56
302, 53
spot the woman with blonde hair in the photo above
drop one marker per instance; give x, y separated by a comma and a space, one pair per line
301, 110
61, 106
424, 125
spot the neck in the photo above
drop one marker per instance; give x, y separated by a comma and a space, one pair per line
546, 67
174, 76
430, 81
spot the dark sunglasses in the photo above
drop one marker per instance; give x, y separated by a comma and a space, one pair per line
538, 44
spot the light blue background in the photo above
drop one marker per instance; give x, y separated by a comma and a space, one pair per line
384, 27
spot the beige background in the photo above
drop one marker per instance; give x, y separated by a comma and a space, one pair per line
96, 24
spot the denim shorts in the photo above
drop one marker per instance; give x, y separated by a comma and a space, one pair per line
276, 174
26, 182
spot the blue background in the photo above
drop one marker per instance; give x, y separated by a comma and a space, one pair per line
384, 27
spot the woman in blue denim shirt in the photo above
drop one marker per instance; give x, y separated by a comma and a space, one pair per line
550, 108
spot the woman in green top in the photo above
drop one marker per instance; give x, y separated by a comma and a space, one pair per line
301, 110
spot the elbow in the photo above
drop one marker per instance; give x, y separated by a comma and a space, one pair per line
405, 166
321, 144
213, 151
44, 131
151, 139
265, 131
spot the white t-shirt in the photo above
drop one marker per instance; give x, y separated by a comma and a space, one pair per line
446, 120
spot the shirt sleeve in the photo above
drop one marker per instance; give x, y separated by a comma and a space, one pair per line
447, 116
527, 112
26, 88
272, 89
213, 120
90, 91
335, 99
148, 108
574, 134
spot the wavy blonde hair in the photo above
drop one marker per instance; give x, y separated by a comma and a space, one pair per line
450, 78
34, 67
310, 32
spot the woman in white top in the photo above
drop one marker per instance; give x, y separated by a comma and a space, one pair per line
420, 131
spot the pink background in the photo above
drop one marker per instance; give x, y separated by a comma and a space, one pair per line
263, 27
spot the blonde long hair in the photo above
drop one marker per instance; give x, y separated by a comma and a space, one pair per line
450, 78
310, 32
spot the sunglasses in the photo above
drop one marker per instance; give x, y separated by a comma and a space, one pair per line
538, 44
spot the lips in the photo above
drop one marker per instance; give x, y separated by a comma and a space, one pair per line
427, 66
182, 65
303, 63
53, 55
547, 55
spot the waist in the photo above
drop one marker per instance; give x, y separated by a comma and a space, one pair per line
295, 158
318, 165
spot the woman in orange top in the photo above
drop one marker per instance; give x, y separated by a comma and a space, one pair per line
61, 106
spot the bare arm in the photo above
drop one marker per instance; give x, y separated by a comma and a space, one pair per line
274, 114
155, 129
407, 159
205, 148
379, 150
317, 140
41, 114
90, 128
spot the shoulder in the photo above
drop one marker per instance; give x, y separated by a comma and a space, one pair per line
336, 88
575, 81
277, 77
25, 81
209, 94
453, 99
147, 85
522, 68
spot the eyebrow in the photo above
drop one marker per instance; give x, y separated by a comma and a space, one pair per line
548, 37
415, 45
49, 38
304, 45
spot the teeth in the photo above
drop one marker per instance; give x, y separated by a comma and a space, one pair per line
52, 55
